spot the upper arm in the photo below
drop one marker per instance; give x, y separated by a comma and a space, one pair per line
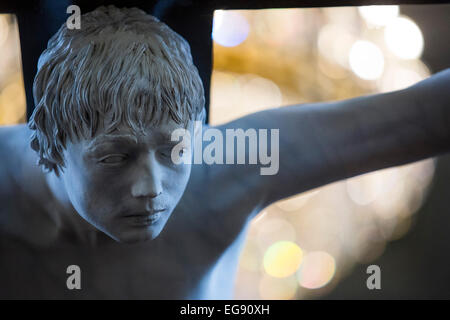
325, 142
298, 158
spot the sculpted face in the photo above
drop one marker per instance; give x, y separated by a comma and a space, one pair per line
126, 184
124, 64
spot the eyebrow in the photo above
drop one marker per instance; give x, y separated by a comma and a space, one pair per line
121, 138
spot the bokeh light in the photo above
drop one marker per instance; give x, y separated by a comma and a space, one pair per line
12, 92
324, 55
379, 15
282, 259
317, 270
229, 28
404, 38
366, 60
334, 43
367, 188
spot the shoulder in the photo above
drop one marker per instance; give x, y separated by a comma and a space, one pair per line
21, 185
8, 135
14, 137
14, 146
220, 196
18, 160
8, 187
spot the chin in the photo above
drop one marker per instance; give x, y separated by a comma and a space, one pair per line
137, 235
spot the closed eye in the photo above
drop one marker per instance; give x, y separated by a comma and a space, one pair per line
166, 152
114, 159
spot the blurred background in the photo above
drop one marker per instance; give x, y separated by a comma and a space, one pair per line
12, 92
319, 244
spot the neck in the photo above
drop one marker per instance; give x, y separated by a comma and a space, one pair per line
29, 218
42, 213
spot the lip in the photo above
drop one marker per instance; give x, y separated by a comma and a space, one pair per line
145, 213
146, 218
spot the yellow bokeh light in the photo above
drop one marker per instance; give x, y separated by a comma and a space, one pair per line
282, 259
317, 270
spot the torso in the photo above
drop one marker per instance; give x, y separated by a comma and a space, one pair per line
195, 257
157, 270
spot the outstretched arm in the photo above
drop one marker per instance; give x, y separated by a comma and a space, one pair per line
325, 142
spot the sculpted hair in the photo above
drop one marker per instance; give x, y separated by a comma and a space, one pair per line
122, 66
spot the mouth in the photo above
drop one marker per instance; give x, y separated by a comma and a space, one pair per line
144, 219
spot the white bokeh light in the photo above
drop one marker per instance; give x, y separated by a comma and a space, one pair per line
366, 60
229, 28
378, 15
404, 38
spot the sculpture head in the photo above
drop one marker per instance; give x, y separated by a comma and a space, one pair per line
107, 98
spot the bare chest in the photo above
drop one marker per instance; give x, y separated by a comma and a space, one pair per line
193, 269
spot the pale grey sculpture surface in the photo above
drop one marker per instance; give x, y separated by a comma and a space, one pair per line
129, 86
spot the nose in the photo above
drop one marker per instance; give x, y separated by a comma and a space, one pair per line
148, 181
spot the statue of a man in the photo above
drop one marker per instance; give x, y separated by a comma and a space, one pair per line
108, 196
